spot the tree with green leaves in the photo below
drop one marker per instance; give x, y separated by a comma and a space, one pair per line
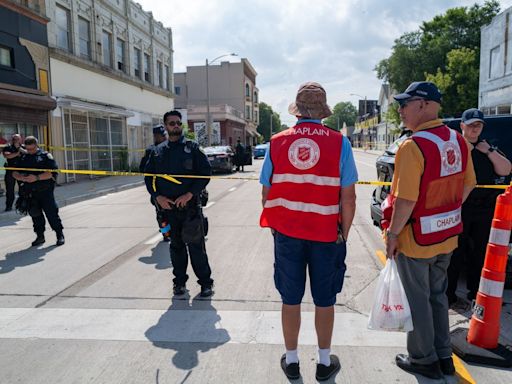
264, 125
343, 112
435, 50
459, 82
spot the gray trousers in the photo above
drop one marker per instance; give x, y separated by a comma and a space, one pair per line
425, 282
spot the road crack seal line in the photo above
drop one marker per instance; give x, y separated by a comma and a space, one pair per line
100, 272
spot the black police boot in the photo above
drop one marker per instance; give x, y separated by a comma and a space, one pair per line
178, 290
39, 240
206, 291
60, 239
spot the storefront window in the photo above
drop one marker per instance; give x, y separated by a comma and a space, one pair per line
7, 130
101, 140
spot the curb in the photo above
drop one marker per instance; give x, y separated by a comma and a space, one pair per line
77, 199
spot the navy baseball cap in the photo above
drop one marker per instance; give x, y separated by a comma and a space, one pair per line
472, 115
159, 130
424, 89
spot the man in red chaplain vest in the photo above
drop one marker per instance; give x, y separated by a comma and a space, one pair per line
308, 179
433, 176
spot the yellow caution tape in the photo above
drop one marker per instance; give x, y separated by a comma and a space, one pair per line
388, 183
89, 149
173, 177
91, 172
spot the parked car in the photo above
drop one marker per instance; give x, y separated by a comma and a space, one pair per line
260, 150
497, 131
222, 158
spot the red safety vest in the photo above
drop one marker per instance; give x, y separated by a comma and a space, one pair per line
304, 199
437, 213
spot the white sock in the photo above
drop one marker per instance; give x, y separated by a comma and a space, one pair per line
324, 356
292, 357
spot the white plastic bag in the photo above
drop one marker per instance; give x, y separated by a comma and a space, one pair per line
390, 311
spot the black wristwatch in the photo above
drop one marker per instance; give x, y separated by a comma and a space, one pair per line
491, 149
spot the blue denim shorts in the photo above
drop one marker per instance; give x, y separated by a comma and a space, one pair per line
325, 263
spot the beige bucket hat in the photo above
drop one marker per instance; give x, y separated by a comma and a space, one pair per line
311, 101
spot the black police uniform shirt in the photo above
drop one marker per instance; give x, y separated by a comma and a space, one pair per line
40, 160
15, 160
485, 175
182, 157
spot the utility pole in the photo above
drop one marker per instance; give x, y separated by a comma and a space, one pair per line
208, 117
208, 124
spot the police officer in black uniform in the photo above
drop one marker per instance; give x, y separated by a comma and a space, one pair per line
180, 202
12, 153
239, 155
159, 136
491, 168
37, 187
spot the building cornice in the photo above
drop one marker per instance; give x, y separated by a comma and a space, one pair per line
106, 71
22, 10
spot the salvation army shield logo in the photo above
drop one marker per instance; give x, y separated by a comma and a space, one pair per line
304, 154
451, 159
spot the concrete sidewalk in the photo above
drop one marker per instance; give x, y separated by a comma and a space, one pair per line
74, 192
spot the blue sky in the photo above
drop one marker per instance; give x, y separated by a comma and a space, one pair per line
334, 42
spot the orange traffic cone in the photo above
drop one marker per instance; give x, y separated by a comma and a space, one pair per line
484, 327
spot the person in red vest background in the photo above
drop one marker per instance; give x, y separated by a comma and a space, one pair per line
309, 202
433, 176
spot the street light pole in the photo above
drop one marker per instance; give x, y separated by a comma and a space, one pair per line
208, 116
208, 124
363, 97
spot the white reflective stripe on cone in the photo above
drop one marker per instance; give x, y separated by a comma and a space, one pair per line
491, 287
303, 207
499, 236
308, 178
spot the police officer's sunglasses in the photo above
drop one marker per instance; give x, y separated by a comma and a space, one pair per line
173, 123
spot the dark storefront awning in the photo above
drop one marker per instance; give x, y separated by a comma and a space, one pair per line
22, 107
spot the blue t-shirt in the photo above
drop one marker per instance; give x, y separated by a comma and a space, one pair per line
348, 168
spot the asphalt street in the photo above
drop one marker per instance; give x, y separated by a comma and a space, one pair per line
100, 308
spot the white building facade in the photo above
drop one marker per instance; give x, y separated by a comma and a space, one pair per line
234, 104
111, 69
495, 89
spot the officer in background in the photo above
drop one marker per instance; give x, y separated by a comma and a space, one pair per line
38, 188
12, 153
180, 202
240, 155
491, 168
159, 136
